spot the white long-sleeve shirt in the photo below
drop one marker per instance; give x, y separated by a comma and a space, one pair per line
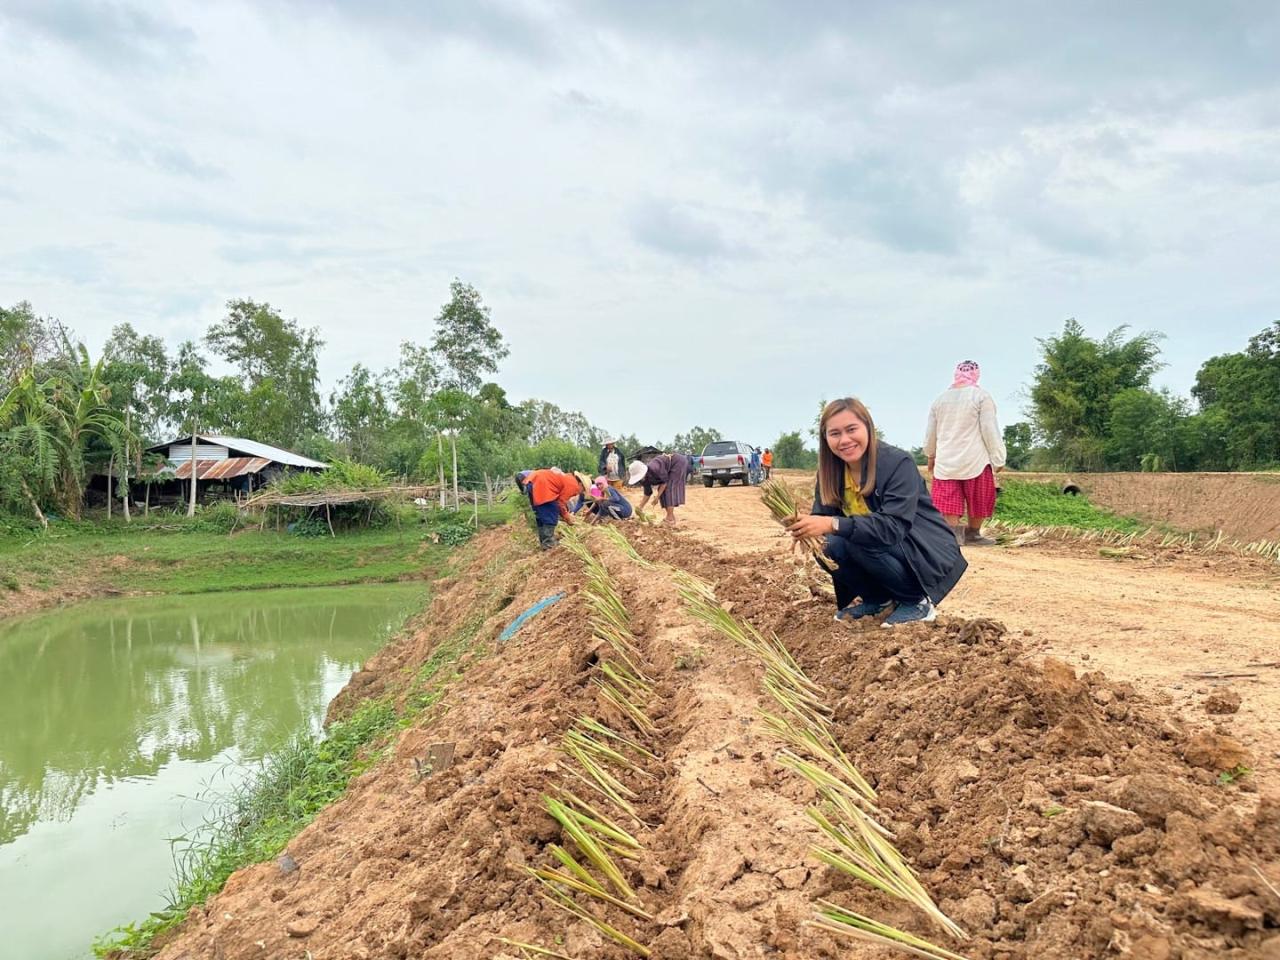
963, 434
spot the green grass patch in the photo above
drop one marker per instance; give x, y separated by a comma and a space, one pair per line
175, 555
1025, 503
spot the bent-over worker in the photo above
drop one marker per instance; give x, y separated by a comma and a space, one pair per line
663, 477
549, 493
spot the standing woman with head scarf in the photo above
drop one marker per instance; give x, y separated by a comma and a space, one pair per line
965, 450
893, 550
662, 477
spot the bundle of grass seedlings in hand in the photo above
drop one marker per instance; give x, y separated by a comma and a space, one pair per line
781, 501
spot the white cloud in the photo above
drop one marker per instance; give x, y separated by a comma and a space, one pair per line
680, 213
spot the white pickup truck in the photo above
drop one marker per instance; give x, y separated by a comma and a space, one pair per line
726, 460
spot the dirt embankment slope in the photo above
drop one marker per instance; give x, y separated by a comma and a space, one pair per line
1244, 506
1164, 619
1052, 815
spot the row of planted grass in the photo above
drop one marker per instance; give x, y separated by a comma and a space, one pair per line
256, 819
856, 842
587, 873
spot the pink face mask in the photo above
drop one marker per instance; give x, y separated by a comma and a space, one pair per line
967, 373
595, 492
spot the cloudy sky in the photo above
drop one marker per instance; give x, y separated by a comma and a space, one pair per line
679, 212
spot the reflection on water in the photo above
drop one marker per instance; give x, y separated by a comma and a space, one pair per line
112, 713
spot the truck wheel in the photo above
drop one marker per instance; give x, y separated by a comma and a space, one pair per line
724, 481
708, 482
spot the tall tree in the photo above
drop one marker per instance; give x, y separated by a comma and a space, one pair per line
137, 371
1241, 392
547, 421
29, 444
361, 413
1145, 430
1017, 444
467, 343
27, 340
1075, 383
278, 362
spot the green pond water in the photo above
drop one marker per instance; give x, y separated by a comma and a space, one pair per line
117, 719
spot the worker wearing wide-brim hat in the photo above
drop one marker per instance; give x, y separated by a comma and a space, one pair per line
602, 502
664, 477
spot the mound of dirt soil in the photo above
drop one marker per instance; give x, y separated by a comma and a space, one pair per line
1052, 815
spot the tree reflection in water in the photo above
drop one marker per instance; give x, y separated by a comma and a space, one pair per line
117, 690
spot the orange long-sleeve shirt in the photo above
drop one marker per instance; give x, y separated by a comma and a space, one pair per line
767, 459
547, 485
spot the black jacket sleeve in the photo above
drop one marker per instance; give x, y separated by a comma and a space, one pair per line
897, 496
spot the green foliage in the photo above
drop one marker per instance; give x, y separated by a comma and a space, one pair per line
696, 440
789, 451
1239, 396
1075, 384
450, 527
1025, 503
1238, 772
341, 475
50, 422
466, 341
361, 413
1017, 444
215, 518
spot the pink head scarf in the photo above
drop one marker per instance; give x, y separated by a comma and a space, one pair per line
967, 374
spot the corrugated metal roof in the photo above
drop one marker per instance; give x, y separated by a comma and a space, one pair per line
221, 469
250, 447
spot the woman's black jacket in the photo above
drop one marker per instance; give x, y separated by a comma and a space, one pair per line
903, 515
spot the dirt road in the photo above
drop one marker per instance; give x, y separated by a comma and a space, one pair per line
1151, 620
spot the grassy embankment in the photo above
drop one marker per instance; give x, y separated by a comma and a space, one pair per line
1025, 503
177, 555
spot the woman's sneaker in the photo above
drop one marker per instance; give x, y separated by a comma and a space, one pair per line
921, 612
859, 610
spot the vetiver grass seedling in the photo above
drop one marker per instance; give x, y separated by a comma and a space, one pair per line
862, 848
781, 501
597, 751
846, 923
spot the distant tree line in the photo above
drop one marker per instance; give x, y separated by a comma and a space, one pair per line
1092, 407
65, 415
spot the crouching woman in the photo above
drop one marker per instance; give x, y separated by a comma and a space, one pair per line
891, 545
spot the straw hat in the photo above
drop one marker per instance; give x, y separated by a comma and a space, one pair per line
635, 472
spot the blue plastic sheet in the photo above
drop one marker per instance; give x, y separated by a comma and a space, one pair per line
519, 621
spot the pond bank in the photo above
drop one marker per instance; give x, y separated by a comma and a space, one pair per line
91, 560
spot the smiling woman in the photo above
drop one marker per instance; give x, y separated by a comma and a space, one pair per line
893, 550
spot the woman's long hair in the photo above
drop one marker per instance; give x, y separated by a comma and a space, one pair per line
830, 466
